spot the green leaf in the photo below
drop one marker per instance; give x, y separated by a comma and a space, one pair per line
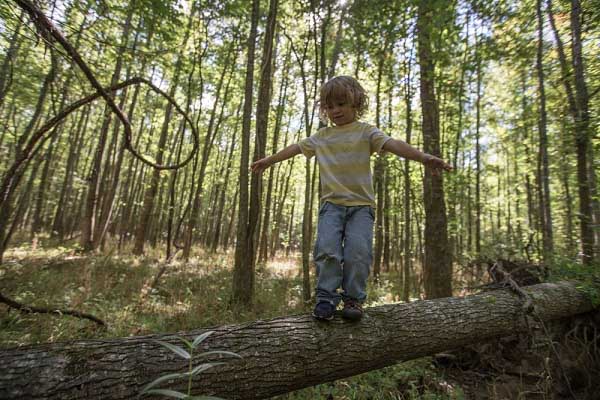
225, 353
169, 393
204, 367
175, 349
187, 342
161, 380
200, 338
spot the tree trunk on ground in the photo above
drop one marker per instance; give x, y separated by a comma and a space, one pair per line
282, 354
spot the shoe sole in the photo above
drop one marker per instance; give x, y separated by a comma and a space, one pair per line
322, 318
352, 317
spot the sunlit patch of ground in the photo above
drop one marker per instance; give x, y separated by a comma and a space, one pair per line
285, 266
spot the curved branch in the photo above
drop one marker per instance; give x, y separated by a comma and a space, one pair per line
50, 32
39, 310
11, 177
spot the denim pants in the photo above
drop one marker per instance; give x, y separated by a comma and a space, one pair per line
343, 252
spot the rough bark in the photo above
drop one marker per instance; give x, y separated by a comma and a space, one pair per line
578, 101
437, 269
243, 274
543, 168
282, 354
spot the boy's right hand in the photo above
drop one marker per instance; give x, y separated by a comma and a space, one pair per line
260, 165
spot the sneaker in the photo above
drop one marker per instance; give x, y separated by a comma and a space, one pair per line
324, 310
352, 310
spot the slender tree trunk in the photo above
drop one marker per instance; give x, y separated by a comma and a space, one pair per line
75, 143
543, 153
478, 154
379, 172
437, 269
243, 273
408, 98
206, 151
89, 221
579, 109
147, 216
6, 201
6, 70
267, 230
221, 206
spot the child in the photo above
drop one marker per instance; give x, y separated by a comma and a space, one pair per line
343, 249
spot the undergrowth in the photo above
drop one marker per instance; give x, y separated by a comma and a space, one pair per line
587, 276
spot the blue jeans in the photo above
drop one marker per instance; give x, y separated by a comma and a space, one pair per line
343, 252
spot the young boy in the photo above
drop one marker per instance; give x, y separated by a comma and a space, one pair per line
343, 249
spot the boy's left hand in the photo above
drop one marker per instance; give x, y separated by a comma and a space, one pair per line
436, 164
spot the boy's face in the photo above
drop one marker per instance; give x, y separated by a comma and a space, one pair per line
340, 112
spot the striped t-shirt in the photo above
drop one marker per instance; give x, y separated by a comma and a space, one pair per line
344, 155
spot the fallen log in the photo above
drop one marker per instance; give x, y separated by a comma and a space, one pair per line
282, 354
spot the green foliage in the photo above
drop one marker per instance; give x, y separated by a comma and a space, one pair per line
186, 353
586, 276
412, 380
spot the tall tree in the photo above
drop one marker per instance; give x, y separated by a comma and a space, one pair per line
89, 221
543, 168
437, 269
146, 217
242, 290
579, 108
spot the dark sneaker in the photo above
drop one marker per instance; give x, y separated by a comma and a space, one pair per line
324, 310
352, 310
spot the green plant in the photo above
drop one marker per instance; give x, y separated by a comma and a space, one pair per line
187, 354
586, 276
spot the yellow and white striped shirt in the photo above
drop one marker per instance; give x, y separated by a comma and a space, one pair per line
344, 155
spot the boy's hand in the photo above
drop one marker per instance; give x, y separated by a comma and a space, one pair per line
260, 165
436, 164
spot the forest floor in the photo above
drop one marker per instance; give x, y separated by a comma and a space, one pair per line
194, 294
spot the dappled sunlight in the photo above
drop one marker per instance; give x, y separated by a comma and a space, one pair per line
285, 266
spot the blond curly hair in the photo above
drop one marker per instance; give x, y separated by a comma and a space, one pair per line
346, 89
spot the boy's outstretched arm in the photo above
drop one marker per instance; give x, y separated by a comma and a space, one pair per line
403, 149
260, 165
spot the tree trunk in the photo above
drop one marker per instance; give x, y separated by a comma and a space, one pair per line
544, 175
379, 172
6, 197
408, 98
147, 217
266, 232
437, 269
260, 144
243, 276
223, 191
206, 151
6, 70
478, 153
89, 221
579, 109
282, 354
